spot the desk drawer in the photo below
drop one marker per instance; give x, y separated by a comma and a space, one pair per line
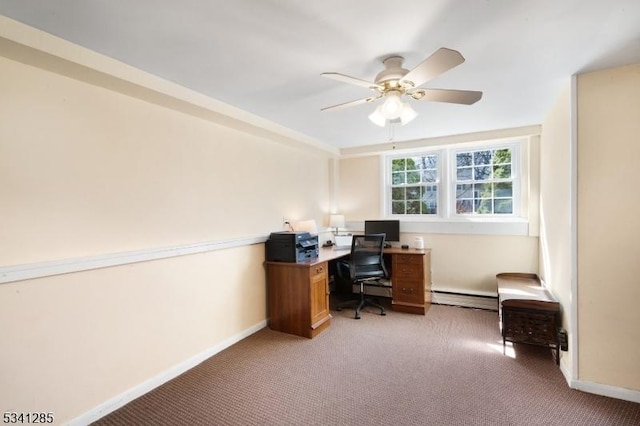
408, 291
318, 269
410, 267
408, 259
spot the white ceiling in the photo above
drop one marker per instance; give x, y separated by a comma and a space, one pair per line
266, 56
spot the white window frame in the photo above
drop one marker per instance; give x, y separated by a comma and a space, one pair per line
447, 220
515, 179
388, 184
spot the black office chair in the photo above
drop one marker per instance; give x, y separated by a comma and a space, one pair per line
366, 264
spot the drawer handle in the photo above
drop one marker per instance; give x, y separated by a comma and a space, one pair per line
407, 290
318, 270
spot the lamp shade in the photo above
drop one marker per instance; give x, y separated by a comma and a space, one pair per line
377, 118
392, 107
407, 114
336, 221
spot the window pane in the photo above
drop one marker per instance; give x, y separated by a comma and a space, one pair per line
430, 191
502, 172
484, 206
464, 206
430, 176
397, 194
482, 157
482, 173
430, 199
398, 178
413, 207
464, 191
411, 164
504, 206
429, 208
502, 156
484, 190
397, 165
397, 207
413, 193
504, 189
430, 162
464, 174
463, 159
413, 177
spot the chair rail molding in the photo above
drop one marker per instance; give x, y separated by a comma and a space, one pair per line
65, 266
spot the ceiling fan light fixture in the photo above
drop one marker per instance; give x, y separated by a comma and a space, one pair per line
404, 114
377, 117
392, 106
407, 114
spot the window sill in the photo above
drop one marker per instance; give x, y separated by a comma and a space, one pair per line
474, 225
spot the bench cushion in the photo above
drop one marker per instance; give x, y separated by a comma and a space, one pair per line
522, 290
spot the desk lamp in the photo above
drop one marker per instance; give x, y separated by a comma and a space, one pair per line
336, 221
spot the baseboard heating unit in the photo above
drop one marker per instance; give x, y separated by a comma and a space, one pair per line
477, 301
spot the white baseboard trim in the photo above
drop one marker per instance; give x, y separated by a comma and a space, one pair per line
465, 300
148, 385
56, 267
606, 390
565, 371
598, 388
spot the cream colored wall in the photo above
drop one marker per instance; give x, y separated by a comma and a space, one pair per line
469, 263
464, 263
555, 211
608, 228
91, 171
74, 341
358, 192
88, 171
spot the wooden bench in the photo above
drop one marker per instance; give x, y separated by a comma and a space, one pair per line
528, 312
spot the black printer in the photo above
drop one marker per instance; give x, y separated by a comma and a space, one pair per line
291, 246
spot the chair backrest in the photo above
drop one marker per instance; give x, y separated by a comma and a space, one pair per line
366, 260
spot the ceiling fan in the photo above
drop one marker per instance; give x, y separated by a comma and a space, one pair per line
394, 82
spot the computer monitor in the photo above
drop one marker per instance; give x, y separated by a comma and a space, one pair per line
391, 228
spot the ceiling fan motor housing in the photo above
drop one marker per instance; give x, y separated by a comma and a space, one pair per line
392, 73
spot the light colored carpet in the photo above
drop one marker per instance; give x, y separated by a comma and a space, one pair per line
445, 368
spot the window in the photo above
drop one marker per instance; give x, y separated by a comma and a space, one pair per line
454, 183
414, 185
484, 182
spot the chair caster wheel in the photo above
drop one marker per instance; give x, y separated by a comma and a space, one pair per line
383, 313
357, 317
338, 309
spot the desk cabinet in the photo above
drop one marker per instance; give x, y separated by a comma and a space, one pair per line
298, 297
411, 281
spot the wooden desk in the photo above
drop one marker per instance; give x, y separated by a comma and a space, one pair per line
298, 293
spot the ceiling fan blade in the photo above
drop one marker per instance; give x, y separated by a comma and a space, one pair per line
465, 97
440, 61
351, 103
351, 80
